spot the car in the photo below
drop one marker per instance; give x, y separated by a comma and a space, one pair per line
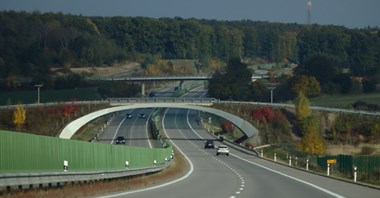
120, 140
222, 149
152, 94
209, 144
142, 115
128, 115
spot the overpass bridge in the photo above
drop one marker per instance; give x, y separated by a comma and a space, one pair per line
143, 79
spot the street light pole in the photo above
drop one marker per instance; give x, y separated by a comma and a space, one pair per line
271, 93
38, 92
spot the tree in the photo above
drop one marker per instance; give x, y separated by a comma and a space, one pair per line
19, 116
233, 83
313, 141
322, 67
344, 82
309, 86
302, 108
228, 126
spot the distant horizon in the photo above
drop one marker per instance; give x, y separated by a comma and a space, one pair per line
347, 13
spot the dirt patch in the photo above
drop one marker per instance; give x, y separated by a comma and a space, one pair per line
351, 149
177, 168
106, 71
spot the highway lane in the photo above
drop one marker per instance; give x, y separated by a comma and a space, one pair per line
134, 129
237, 175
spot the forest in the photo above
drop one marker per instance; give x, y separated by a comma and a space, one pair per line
32, 44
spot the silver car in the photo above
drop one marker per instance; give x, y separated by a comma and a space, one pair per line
222, 149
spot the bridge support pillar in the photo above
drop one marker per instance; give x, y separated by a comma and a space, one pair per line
142, 89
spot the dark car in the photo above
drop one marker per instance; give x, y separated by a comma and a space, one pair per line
128, 115
209, 144
152, 94
120, 140
142, 115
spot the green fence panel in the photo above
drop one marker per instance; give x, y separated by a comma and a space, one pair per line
368, 167
31, 153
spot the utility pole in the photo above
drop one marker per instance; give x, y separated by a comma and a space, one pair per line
271, 93
308, 12
38, 92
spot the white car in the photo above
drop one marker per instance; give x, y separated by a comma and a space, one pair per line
222, 149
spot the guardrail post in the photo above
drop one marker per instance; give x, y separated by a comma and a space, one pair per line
262, 153
275, 157
328, 169
65, 165
307, 164
290, 161
355, 173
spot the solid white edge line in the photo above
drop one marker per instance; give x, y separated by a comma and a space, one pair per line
146, 129
161, 185
291, 177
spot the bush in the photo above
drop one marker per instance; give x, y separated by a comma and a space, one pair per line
367, 150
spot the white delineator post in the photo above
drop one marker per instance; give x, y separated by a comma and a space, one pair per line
328, 169
262, 153
65, 165
307, 164
275, 157
355, 173
126, 164
290, 161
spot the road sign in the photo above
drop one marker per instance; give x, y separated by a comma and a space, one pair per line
331, 161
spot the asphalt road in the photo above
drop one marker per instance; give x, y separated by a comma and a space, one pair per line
237, 175
133, 129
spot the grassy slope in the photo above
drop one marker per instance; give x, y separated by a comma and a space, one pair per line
28, 97
344, 101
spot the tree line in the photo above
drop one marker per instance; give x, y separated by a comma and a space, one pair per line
33, 43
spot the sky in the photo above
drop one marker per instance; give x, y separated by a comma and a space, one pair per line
348, 13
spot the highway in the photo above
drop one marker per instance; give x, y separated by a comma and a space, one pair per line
133, 129
237, 175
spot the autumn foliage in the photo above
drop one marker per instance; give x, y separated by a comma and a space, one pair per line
65, 109
264, 114
19, 116
302, 108
312, 140
227, 126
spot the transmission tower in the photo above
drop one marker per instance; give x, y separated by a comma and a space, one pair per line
308, 12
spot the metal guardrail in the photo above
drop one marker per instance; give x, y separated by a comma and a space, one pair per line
36, 180
149, 78
162, 100
57, 103
353, 111
191, 100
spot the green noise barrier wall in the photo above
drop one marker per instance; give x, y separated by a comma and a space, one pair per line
25, 153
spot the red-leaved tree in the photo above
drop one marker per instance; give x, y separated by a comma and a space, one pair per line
227, 126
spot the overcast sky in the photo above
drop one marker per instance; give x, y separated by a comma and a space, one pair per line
349, 13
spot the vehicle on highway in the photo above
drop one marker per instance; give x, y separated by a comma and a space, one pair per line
222, 149
209, 144
128, 115
152, 94
142, 115
120, 140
